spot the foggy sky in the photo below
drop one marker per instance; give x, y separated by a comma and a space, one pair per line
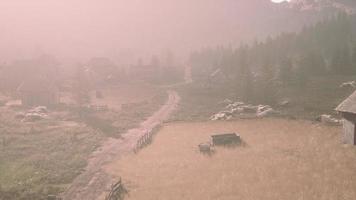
121, 29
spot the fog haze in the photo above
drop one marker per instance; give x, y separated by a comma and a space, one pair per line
84, 28
80, 29
125, 30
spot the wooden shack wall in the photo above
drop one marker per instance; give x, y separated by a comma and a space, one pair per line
349, 132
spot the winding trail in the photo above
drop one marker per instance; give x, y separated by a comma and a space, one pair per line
94, 180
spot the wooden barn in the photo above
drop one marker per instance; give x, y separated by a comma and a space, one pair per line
348, 111
38, 92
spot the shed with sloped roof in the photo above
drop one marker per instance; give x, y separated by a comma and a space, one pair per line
348, 111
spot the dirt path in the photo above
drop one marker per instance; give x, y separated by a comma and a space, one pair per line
94, 180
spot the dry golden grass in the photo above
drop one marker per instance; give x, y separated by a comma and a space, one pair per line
287, 160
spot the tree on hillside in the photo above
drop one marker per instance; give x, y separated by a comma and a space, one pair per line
301, 73
314, 63
320, 48
341, 61
228, 61
285, 71
353, 59
243, 76
266, 87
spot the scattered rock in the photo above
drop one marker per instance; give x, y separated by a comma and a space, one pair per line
350, 84
226, 101
240, 108
221, 116
249, 108
329, 120
284, 103
264, 112
234, 105
39, 109
31, 117
35, 114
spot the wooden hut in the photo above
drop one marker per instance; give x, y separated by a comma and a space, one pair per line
347, 109
226, 139
38, 92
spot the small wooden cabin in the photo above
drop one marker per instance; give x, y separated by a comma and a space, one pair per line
38, 92
226, 139
347, 109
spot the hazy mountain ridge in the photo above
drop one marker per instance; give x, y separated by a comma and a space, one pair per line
348, 6
125, 30
292, 16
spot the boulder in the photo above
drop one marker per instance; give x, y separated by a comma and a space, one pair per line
31, 117
329, 120
284, 103
350, 84
249, 108
39, 109
226, 102
264, 112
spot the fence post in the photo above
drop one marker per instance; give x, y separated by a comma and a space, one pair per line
144, 140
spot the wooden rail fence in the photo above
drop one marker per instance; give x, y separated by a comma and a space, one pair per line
144, 140
117, 192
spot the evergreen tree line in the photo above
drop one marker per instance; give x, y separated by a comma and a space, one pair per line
326, 48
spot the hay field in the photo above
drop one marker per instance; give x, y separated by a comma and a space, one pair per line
283, 159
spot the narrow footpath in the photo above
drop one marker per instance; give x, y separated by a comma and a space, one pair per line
91, 184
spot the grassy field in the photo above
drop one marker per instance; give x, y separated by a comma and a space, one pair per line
282, 159
198, 104
115, 96
42, 158
320, 96
39, 159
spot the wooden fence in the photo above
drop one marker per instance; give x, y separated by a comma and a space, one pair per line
144, 140
117, 192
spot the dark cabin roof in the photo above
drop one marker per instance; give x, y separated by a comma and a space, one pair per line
36, 85
348, 105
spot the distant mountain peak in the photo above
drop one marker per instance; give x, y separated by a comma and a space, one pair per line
348, 6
